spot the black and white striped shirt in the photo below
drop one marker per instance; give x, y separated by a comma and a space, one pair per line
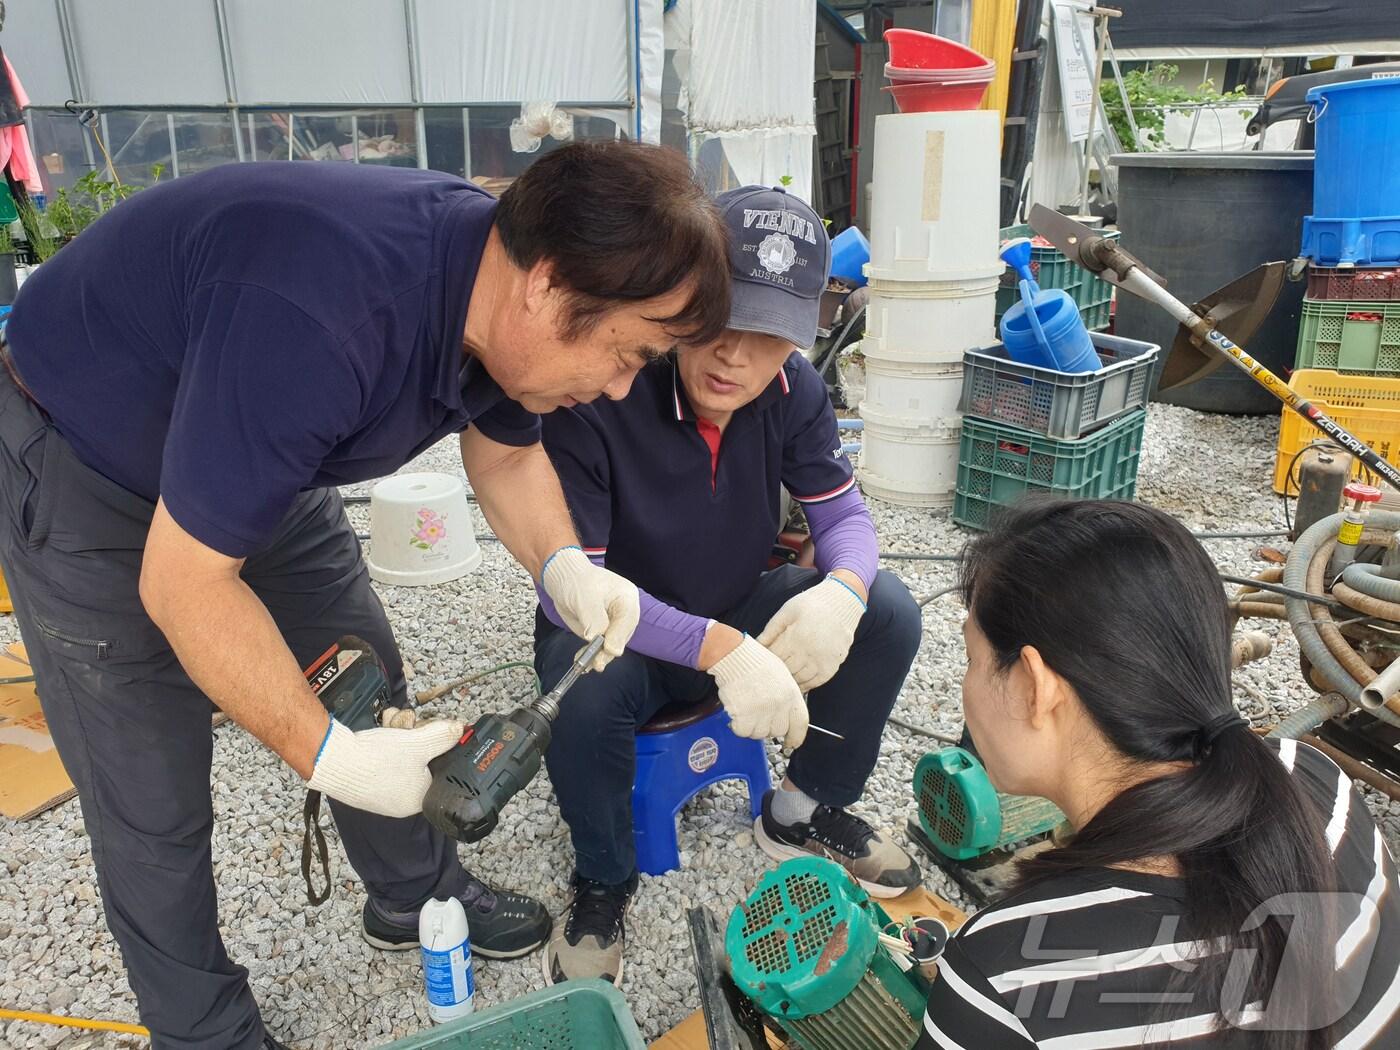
1081, 961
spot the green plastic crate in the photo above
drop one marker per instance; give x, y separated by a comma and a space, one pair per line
998, 464
1350, 336
573, 1015
1053, 270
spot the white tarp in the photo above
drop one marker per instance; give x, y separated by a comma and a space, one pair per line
108, 36
751, 65
166, 53
746, 75
34, 44
351, 52
519, 50
1054, 172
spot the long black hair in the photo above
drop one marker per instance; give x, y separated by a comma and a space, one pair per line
1121, 601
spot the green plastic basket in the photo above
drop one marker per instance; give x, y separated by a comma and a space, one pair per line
1052, 269
1350, 336
573, 1015
998, 464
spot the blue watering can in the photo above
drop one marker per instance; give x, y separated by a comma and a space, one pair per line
1044, 329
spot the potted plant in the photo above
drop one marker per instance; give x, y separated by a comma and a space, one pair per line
41, 244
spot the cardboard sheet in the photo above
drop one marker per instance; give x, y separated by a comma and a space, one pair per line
32, 778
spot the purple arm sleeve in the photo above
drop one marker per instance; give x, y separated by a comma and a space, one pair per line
844, 536
665, 633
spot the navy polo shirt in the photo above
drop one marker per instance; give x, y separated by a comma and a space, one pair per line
226, 340
694, 528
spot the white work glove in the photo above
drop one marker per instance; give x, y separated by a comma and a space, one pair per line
760, 696
812, 632
398, 717
382, 771
592, 601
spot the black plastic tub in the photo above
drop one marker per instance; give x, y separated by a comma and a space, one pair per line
1201, 220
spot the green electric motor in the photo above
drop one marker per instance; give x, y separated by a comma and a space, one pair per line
964, 816
805, 947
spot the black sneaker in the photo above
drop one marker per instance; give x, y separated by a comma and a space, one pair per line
590, 942
871, 856
501, 924
270, 1043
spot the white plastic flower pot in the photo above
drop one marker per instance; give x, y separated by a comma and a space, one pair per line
420, 530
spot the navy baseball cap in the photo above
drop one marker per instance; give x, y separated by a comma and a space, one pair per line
779, 255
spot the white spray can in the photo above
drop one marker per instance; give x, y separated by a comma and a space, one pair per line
447, 959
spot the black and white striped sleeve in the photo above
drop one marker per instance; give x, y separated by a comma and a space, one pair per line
965, 1012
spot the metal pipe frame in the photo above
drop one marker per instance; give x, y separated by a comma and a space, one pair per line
174, 146
110, 160
226, 52
415, 86
332, 108
70, 51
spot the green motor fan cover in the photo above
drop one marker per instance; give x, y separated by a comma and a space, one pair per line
964, 816
805, 948
802, 939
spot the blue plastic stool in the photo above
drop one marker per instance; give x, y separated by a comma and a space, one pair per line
684, 748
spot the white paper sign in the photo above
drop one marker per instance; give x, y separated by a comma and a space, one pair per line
1074, 55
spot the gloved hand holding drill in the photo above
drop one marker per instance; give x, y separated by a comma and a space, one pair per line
373, 756
383, 770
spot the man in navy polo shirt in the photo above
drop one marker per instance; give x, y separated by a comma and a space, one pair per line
185, 385
678, 489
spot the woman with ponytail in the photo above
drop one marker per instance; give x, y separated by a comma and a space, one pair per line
1219, 890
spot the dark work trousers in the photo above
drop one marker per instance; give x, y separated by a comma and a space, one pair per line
592, 759
134, 732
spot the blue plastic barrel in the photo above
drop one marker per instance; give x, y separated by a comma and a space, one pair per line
1066, 346
1356, 174
850, 251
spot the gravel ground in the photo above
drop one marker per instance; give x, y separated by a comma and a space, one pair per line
321, 986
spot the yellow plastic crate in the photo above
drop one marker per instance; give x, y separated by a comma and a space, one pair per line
1367, 406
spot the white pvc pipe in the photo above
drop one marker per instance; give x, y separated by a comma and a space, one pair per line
1383, 686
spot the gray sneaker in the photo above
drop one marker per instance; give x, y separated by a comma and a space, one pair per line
880, 866
589, 942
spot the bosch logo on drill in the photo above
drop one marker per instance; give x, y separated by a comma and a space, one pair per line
494, 759
495, 749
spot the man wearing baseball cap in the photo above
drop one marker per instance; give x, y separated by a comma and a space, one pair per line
677, 488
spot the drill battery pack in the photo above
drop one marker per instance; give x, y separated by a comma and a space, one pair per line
352, 682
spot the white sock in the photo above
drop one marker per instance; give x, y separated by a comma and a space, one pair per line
791, 807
